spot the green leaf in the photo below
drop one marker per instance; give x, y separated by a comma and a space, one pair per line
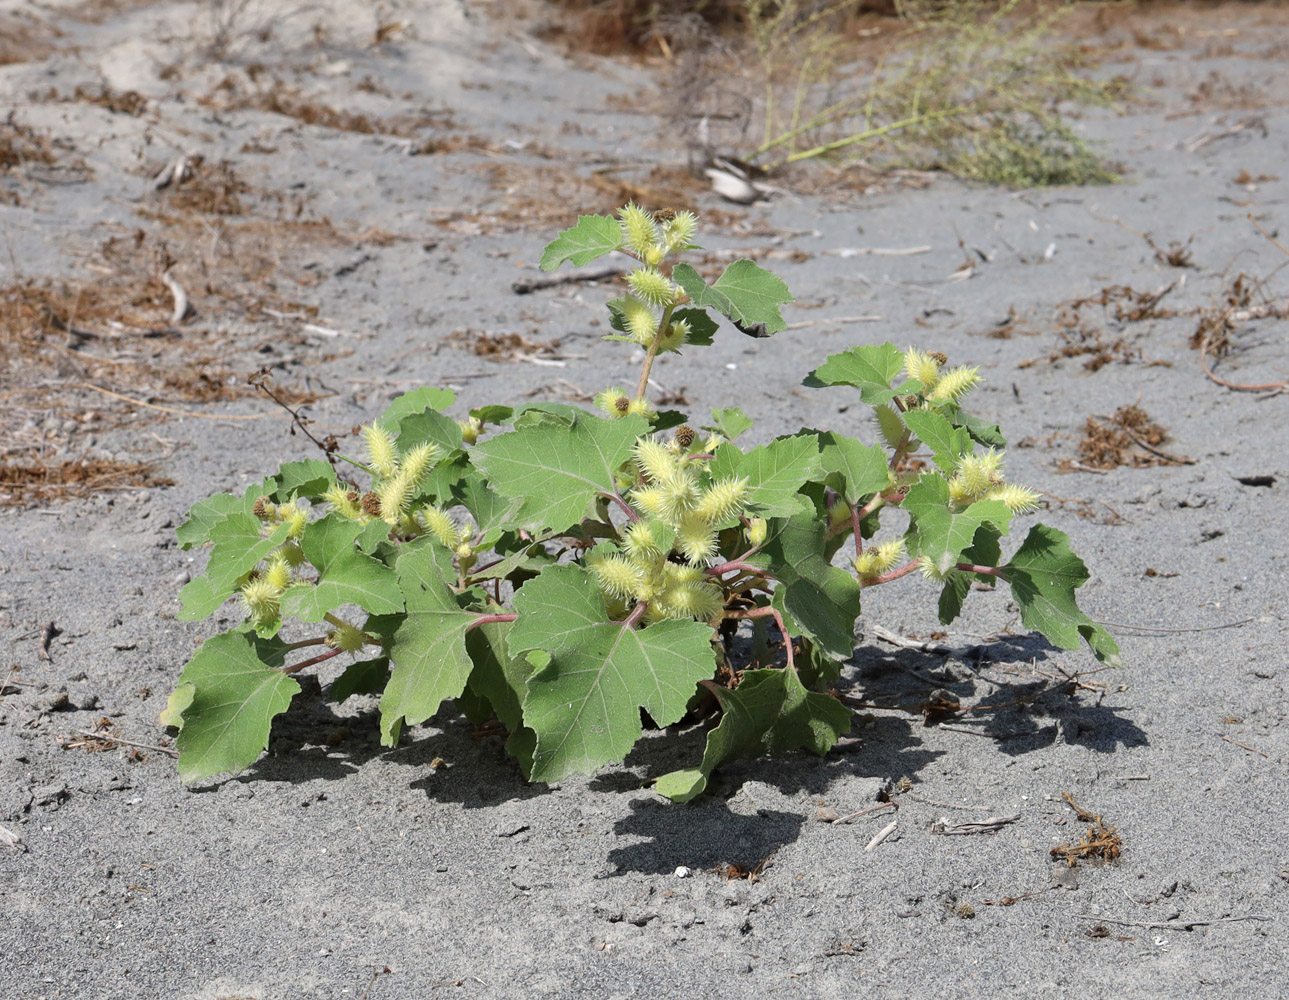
729, 422
427, 397
854, 469
238, 547
990, 435
1043, 574
869, 369
428, 651
417, 428
947, 443
204, 515
492, 512
746, 293
236, 694
176, 705
816, 599
808, 720
363, 677
585, 704
494, 413
984, 551
701, 326
502, 680
775, 472
310, 478
747, 714
345, 574
592, 237
557, 470
941, 534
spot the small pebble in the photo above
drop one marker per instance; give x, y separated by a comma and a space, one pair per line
683, 872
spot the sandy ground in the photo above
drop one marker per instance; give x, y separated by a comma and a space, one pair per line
356, 259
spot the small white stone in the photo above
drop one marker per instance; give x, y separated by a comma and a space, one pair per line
683, 872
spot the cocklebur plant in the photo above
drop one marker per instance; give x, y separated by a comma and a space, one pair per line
565, 570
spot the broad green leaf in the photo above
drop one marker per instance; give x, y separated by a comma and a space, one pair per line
746, 293
417, 428
816, 599
869, 369
492, 512
585, 704
204, 515
990, 435
947, 443
310, 478
808, 720
541, 414
494, 413
729, 422
940, 533
984, 551
747, 714
345, 574
428, 650
236, 694
702, 328
775, 472
855, 470
502, 681
176, 705
427, 397
557, 471
1044, 573
592, 237
238, 547
363, 677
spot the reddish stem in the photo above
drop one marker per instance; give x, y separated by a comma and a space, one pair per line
769, 612
489, 619
617, 498
739, 564
987, 570
310, 662
638, 612
320, 641
859, 535
894, 574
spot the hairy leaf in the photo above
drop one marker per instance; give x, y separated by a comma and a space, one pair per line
729, 422
869, 369
808, 720
941, 534
947, 443
816, 599
1044, 573
236, 694
502, 681
428, 651
557, 470
855, 470
592, 237
775, 472
745, 293
701, 326
427, 397
345, 575
363, 677
747, 714
310, 478
984, 551
238, 547
584, 705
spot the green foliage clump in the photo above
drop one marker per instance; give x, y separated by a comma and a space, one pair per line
565, 570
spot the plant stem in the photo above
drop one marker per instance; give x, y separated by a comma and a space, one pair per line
769, 612
489, 619
337, 621
617, 498
894, 574
919, 118
310, 662
739, 564
638, 612
653, 352
320, 641
986, 570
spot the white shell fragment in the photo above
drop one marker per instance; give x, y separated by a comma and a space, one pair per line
683, 872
